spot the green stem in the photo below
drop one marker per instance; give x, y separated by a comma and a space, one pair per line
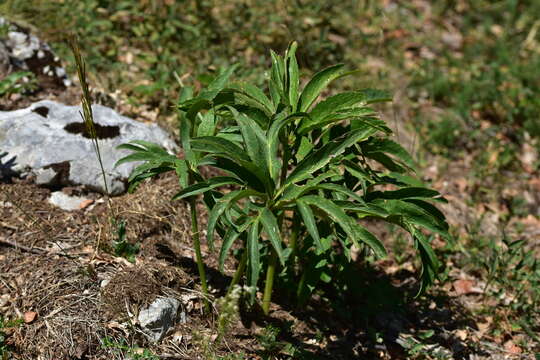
239, 271
271, 269
269, 282
301, 286
293, 240
198, 254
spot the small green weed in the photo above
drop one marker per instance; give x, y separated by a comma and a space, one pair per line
123, 348
4, 348
273, 347
18, 82
121, 246
228, 309
419, 348
516, 272
268, 339
444, 136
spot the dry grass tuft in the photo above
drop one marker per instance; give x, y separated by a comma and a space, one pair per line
66, 300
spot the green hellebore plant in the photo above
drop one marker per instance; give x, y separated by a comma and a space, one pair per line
298, 175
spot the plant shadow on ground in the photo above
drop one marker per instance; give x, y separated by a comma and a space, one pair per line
375, 316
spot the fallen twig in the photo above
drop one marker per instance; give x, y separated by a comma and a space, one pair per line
16, 245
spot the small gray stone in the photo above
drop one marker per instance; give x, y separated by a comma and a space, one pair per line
50, 136
66, 202
45, 176
159, 317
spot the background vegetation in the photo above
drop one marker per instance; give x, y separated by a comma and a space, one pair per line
465, 75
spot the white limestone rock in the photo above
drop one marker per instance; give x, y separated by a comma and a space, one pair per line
49, 140
66, 202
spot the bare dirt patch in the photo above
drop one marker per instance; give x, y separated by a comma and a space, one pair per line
86, 300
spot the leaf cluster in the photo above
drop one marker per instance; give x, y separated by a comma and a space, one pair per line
298, 176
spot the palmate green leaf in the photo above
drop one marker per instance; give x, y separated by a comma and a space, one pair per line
430, 263
253, 113
230, 135
145, 151
273, 163
358, 118
361, 114
242, 173
323, 111
370, 240
192, 107
335, 103
216, 145
254, 140
263, 102
213, 95
368, 120
293, 78
378, 148
254, 255
357, 171
295, 191
340, 189
145, 171
324, 155
387, 162
144, 156
317, 84
363, 209
149, 146
403, 180
202, 187
219, 208
156, 161
406, 193
411, 213
271, 228
309, 222
242, 164
243, 100
217, 84
431, 209
228, 240
354, 231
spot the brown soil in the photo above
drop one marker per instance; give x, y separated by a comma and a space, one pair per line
59, 265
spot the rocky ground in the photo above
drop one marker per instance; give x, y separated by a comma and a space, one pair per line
68, 292
78, 300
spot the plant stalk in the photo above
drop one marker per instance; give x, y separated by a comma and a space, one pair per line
300, 286
269, 282
239, 271
271, 269
293, 240
198, 254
